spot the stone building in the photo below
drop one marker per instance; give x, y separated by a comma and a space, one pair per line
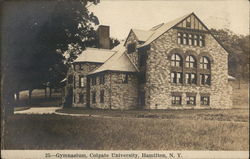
174, 65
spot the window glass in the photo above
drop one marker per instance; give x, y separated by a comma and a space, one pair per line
176, 60
205, 100
191, 100
176, 100
204, 63
124, 78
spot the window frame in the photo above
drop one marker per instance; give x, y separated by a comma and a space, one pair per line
204, 80
174, 77
202, 100
93, 97
125, 78
102, 93
188, 61
102, 79
202, 63
174, 100
174, 60
188, 78
81, 81
93, 81
188, 97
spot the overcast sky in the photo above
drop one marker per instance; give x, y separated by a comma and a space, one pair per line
122, 15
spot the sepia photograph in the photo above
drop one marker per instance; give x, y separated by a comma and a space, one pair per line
125, 79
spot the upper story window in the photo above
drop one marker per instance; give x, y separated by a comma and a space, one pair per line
191, 39
124, 78
81, 81
102, 79
176, 77
204, 63
205, 79
190, 62
93, 80
176, 60
131, 48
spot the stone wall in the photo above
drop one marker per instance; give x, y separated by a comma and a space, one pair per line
158, 87
97, 88
132, 39
82, 71
118, 95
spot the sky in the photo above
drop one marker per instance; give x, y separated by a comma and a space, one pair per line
122, 15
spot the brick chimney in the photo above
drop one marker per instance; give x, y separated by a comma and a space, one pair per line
103, 37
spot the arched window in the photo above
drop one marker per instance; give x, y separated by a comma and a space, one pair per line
190, 62
204, 63
176, 60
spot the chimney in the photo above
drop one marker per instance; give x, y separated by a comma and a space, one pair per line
103, 37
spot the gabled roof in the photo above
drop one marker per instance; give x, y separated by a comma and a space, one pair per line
95, 55
142, 35
162, 28
117, 62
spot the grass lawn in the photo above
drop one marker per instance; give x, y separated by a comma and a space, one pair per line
67, 132
236, 115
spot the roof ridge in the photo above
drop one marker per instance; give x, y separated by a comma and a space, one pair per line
177, 20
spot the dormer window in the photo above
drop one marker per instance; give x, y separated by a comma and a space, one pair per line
131, 48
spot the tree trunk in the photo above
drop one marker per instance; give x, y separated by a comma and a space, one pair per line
50, 92
7, 108
45, 92
17, 96
30, 95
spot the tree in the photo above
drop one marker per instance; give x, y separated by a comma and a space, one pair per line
35, 34
238, 48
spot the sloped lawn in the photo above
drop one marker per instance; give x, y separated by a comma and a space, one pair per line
65, 132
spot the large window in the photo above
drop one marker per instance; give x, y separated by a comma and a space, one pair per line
102, 96
176, 99
190, 78
188, 72
176, 60
176, 77
205, 100
205, 79
204, 62
131, 48
191, 39
190, 62
102, 79
81, 81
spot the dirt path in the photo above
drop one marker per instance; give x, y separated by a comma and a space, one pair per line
39, 110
